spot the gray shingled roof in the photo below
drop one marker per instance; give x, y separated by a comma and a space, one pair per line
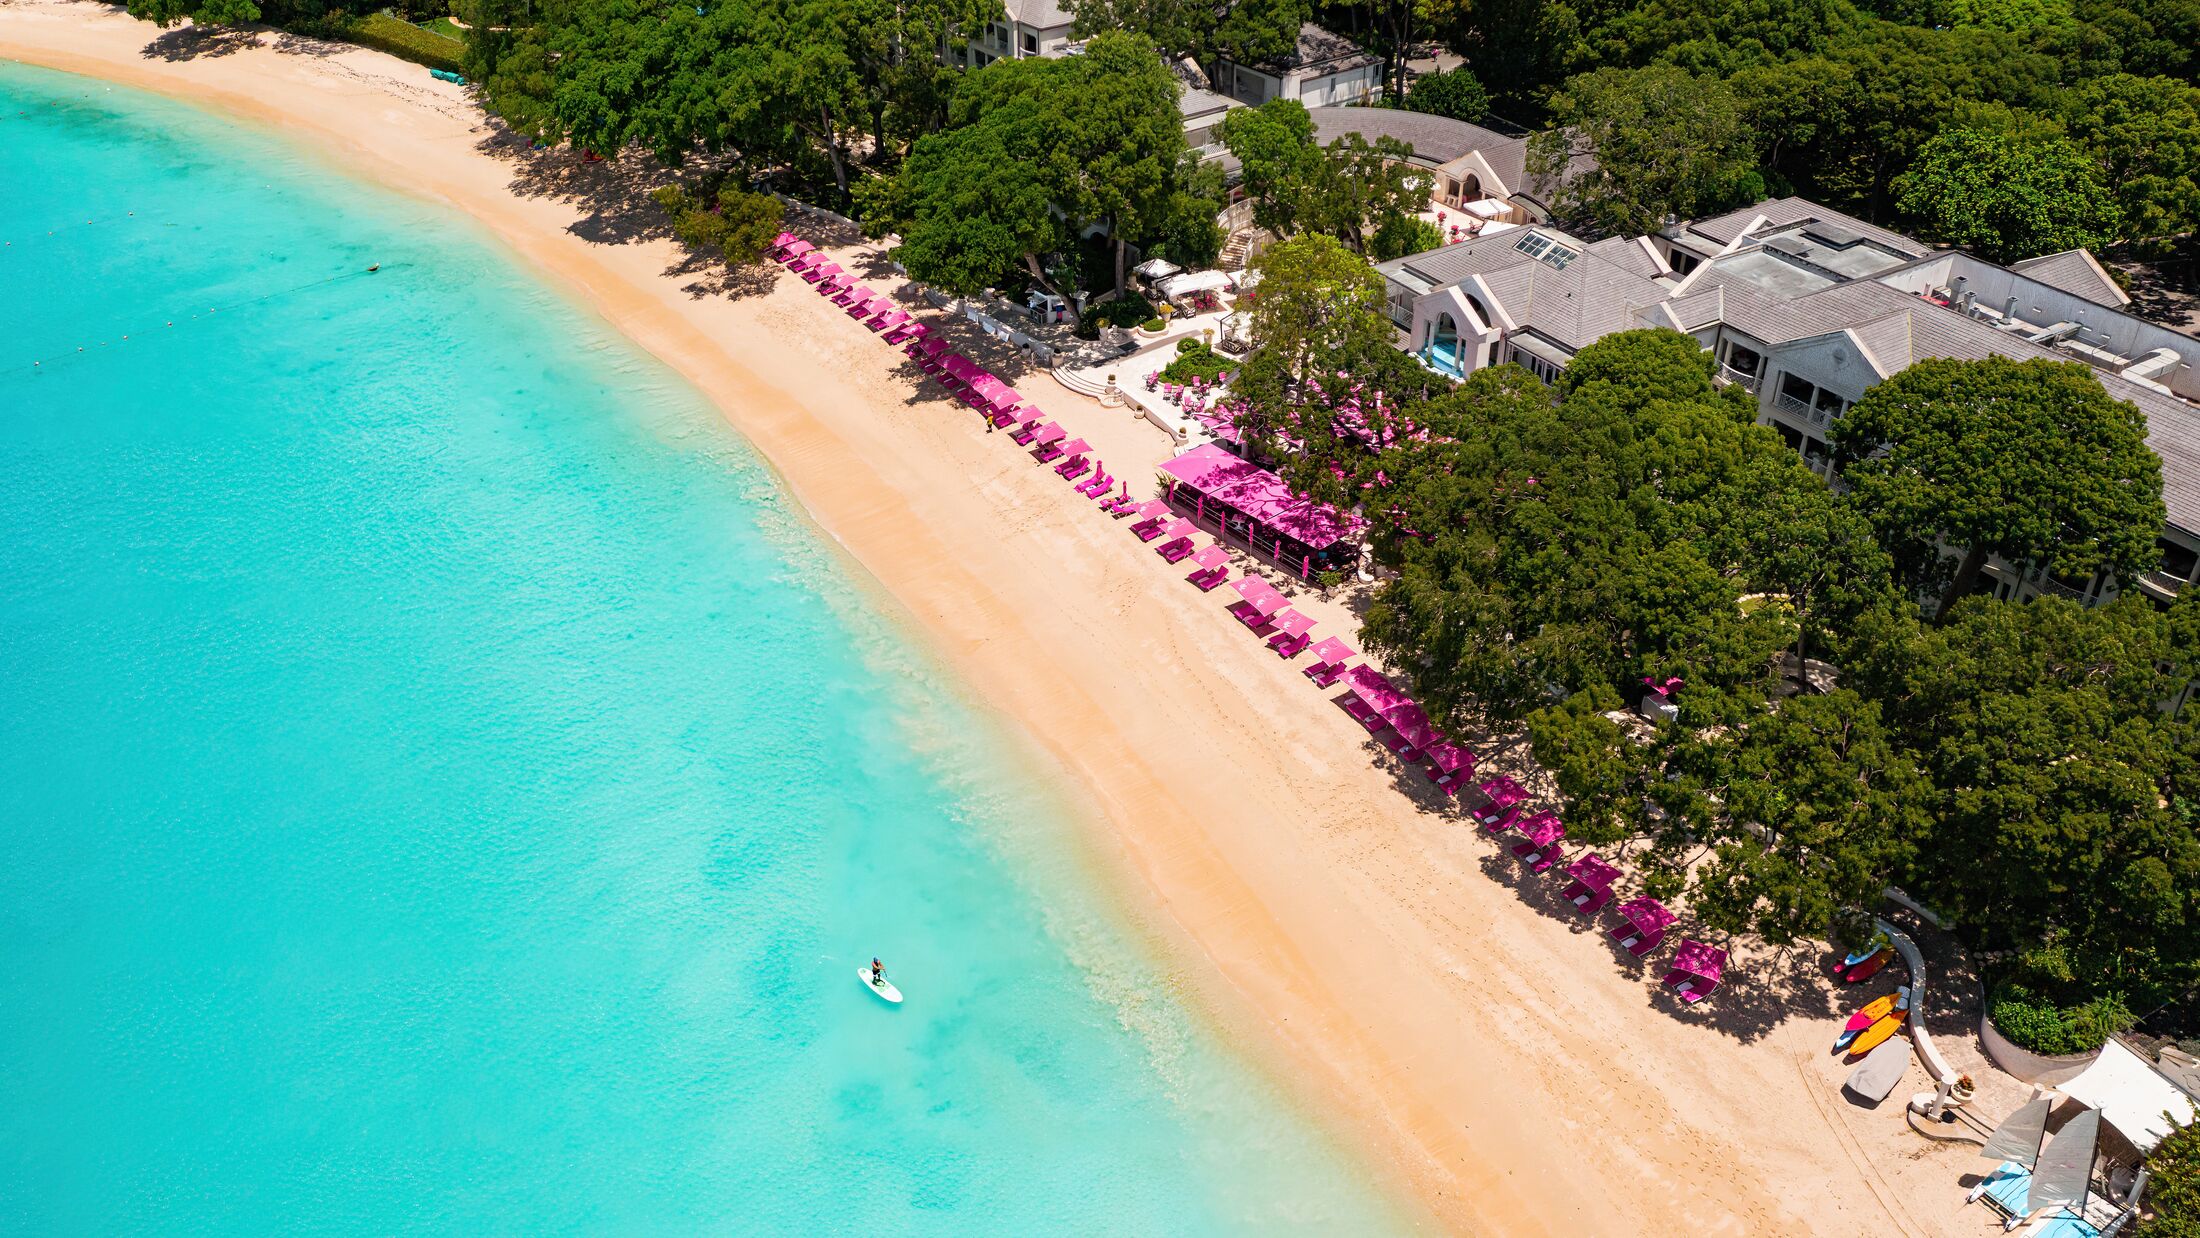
1435, 139
2075, 272
1323, 49
1592, 297
1722, 229
1040, 14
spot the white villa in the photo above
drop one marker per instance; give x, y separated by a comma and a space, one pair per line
1033, 28
1807, 308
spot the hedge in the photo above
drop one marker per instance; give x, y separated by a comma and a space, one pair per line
406, 41
2034, 1023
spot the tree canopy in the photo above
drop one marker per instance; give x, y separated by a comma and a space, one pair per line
1632, 149
1349, 189
2028, 460
1455, 93
2006, 196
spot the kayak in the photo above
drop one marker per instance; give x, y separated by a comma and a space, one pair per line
1896, 1002
1877, 943
884, 988
1868, 968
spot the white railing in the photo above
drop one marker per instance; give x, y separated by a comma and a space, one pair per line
1800, 410
1747, 382
2166, 582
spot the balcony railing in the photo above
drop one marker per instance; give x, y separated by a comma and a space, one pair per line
1801, 410
1747, 382
2055, 588
2164, 582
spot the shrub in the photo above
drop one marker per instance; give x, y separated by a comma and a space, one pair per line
1456, 93
2173, 1189
1151, 324
739, 230
1124, 311
2037, 1024
1405, 234
1195, 360
404, 40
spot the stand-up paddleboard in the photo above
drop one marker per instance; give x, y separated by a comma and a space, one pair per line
1868, 968
1881, 1071
884, 988
1877, 1034
1897, 1002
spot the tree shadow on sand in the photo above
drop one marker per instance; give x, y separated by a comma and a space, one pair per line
199, 43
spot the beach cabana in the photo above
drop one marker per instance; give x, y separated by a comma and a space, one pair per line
1499, 795
1696, 970
1449, 766
1591, 887
1291, 637
1211, 567
1252, 507
1176, 541
1031, 430
1370, 692
1539, 848
1330, 657
1643, 925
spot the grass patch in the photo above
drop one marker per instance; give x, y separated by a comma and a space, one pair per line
406, 41
445, 27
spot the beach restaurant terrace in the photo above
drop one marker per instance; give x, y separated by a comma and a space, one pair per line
1252, 507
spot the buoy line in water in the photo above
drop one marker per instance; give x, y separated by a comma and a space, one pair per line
126, 216
42, 364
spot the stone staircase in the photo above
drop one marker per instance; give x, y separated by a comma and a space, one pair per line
1240, 248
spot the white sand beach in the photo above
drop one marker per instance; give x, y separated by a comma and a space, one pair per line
1486, 1044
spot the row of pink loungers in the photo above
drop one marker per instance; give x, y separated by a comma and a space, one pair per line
1000, 404
1393, 718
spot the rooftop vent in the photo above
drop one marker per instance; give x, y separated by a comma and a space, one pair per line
1833, 234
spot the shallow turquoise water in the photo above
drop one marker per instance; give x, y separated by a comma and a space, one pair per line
444, 790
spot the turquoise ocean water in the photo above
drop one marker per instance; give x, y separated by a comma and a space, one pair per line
445, 790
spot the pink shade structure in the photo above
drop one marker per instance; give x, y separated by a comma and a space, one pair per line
1291, 637
1370, 692
1330, 657
1499, 794
1032, 430
822, 271
1591, 888
907, 333
1498, 823
1696, 970
1151, 509
871, 307
854, 294
1076, 447
1646, 920
1253, 506
1156, 529
1412, 722
930, 346
1260, 601
1539, 849
1096, 485
1211, 567
1048, 435
1450, 766
888, 323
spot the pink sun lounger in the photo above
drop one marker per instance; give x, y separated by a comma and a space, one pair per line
1643, 925
1591, 887
1450, 766
1075, 450
1047, 443
1410, 723
885, 323
1499, 795
1031, 430
1099, 483
1150, 528
1258, 600
853, 294
1368, 687
908, 335
823, 271
1291, 637
1210, 567
803, 256
1121, 505
1151, 509
1539, 849
927, 348
1330, 657
1175, 538
1696, 970
871, 307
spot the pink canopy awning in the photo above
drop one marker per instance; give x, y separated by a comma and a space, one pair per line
1503, 791
932, 347
1260, 595
1373, 686
1212, 557
1332, 651
1593, 871
828, 271
1648, 915
1208, 468
1261, 495
1543, 829
1413, 723
1049, 433
1292, 623
1151, 508
1700, 959
1076, 447
1004, 397
795, 249
1448, 757
860, 295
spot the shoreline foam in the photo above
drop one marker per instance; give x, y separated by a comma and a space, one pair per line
1491, 1052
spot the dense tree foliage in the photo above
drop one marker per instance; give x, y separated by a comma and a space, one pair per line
2173, 1187
1634, 149
730, 223
1348, 189
1454, 93
2031, 461
2006, 196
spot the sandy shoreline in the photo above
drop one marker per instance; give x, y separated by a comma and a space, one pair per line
1492, 1049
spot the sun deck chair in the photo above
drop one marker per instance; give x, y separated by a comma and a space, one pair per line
1078, 461
1591, 887
1499, 795
1121, 505
1099, 483
1175, 538
1538, 846
1330, 659
1643, 925
2007, 1191
1291, 637
1210, 567
1365, 714
851, 295
1501, 822
886, 320
870, 307
1696, 970
909, 334
807, 260
1150, 528
1029, 431
822, 272
1047, 447
1450, 767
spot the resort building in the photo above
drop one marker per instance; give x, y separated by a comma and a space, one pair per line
1029, 28
1807, 308
1476, 171
1322, 69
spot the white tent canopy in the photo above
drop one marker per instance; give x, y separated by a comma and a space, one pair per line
1193, 281
1155, 268
2131, 1095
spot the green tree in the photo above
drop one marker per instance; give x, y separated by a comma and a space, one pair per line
1314, 297
2173, 1186
1455, 93
2031, 461
1401, 235
737, 226
2006, 197
201, 12
1344, 190
2144, 132
1632, 149
1248, 31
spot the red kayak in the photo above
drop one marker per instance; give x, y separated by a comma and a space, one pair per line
1868, 968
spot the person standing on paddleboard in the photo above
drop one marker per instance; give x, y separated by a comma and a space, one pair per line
878, 971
